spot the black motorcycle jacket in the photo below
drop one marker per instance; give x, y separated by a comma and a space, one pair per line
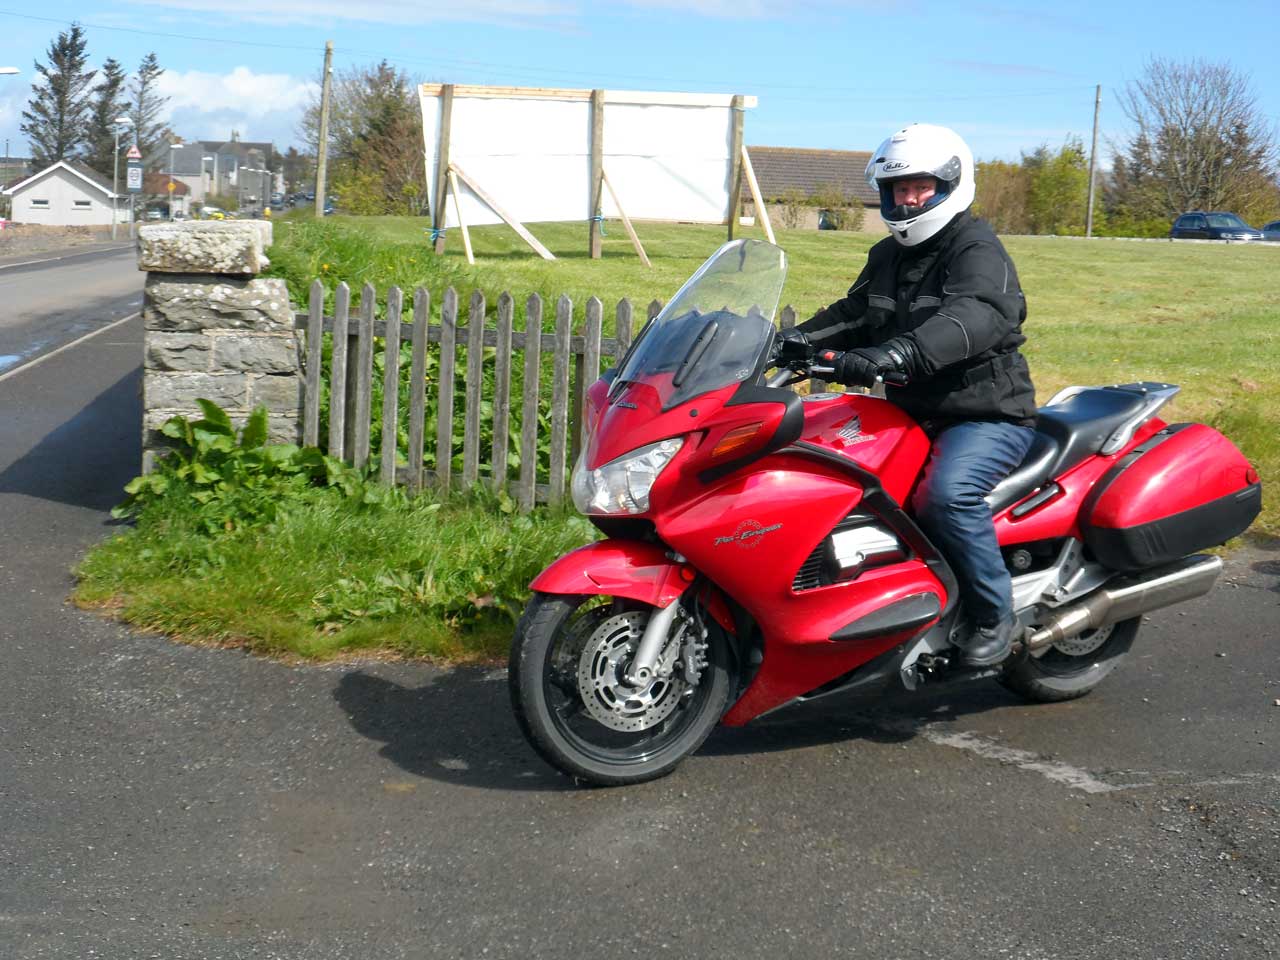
956, 298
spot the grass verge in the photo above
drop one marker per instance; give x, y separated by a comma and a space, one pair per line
332, 574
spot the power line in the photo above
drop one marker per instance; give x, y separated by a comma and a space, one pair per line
505, 70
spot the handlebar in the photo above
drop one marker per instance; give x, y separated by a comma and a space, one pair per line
796, 370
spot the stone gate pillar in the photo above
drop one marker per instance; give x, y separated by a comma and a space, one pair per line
214, 329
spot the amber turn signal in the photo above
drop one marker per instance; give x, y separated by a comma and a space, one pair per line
736, 439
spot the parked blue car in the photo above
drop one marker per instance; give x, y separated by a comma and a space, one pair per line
1271, 231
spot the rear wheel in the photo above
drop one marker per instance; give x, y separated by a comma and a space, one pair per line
1074, 666
568, 686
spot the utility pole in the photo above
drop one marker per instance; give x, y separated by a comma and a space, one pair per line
322, 149
1093, 158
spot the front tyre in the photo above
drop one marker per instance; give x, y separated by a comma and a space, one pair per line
568, 688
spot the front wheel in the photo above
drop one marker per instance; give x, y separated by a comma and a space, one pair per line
567, 674
1072, 667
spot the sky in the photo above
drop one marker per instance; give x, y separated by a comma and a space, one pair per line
833, 75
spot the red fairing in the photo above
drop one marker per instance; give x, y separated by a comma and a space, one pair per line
799, 655
873, 433
620, 568
749, 534
1192, 467
634, 418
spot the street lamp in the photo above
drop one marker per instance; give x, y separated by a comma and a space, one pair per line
172, 156
118, 124
9, 71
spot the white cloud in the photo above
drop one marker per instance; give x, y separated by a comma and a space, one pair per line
258, 106
241, 91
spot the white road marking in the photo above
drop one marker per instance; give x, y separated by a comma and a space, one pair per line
69, 256
1063, 773
27, 263
67, 346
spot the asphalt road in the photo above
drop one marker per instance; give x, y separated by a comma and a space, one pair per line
48, 299
158, 800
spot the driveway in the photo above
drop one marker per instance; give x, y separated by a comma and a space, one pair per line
159, 800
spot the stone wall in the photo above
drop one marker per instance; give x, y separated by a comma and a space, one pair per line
214, 329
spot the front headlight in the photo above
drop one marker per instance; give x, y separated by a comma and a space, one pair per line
622, 485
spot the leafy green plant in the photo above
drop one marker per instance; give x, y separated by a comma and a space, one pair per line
235, 479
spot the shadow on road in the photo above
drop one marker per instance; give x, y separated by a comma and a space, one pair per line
86, 461
458, 728
892, 717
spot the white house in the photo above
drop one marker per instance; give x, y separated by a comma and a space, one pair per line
65, 194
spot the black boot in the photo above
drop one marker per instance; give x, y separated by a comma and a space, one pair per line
988, 644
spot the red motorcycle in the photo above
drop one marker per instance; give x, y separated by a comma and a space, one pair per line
757, 552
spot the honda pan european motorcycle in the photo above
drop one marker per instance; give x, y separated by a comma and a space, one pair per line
757, 550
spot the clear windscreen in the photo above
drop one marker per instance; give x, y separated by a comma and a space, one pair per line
715, 330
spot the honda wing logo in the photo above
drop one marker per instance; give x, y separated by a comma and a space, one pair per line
851, 432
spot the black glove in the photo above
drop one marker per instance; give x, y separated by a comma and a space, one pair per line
791, 344
892, 361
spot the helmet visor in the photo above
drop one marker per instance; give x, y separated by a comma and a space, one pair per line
890, 209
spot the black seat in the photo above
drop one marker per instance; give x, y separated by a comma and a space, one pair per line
1035, 469
1082, 424
1066, 433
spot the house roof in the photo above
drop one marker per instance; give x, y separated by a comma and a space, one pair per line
779, 170
78, 169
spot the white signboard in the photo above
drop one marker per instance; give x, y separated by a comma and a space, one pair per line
668, 155
133, 178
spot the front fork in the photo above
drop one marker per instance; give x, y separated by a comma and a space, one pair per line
656, 633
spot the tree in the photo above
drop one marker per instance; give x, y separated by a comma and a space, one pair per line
108, 103
55, 118
1199, 141
1058, 195
1003, 192
146, 105
299, 170
375, 140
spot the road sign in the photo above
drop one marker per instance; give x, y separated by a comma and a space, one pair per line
170, 186
133, 176
134, 153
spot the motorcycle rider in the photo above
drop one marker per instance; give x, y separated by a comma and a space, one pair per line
938, 303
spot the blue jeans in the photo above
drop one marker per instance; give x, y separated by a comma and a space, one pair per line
967, 461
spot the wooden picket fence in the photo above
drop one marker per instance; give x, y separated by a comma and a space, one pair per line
575, 364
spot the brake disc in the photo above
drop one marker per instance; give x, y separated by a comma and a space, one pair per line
606, 695
1083, 644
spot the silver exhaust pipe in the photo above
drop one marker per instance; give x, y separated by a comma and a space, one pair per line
1130, 596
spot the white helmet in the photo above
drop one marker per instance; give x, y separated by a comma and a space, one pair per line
922, 150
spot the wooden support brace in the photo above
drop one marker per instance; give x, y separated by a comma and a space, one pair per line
626, 221
761, 211
510, 221
462, 224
